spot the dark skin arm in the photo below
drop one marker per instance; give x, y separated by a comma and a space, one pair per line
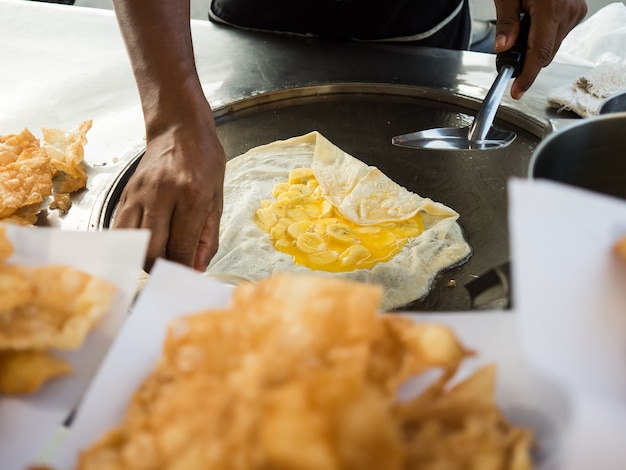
550, 22
176, 191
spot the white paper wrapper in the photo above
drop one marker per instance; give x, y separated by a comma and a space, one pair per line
171, 291
570, 297
28, 423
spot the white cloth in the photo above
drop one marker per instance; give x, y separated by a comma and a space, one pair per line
589, 91
599, 43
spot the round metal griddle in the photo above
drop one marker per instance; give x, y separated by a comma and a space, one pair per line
361, 119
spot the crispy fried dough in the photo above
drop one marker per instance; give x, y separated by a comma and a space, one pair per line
6, 247
300, 372
23, 372
66, 152
16, 287
65, 305
26, 181
43, 307
31, 172
463, 427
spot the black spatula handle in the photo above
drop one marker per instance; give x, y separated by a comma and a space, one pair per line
514, 57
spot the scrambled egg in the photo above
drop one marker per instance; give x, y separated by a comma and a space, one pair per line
305, 225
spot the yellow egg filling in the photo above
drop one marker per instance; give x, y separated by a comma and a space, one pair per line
305, 225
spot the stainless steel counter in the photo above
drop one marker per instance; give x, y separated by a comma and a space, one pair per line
62, 65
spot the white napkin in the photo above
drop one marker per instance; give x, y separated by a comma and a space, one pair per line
599, 43
589, 91
570, 312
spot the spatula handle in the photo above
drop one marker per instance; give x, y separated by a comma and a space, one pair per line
514, 57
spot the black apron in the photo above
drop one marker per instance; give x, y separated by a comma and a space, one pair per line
432, 23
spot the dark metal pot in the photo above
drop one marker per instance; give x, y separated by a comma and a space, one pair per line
613, 104
590, 154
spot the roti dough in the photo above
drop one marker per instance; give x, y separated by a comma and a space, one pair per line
361, 192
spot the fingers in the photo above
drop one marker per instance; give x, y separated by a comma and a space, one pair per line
208, 243
158, 222
507, 31
542, 45
183, 234
194, 230
127, 215
550, 22
132, 213
507, 24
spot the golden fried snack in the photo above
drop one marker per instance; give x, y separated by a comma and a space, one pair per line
620, 247
31, 172
66, 152
301, 372
26, 215
23, 372
15, 147
6, 247
25, 176
65, 305
462, 427
61, 201
16, 287
41, 308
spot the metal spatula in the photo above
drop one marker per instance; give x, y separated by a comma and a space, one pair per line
481, 134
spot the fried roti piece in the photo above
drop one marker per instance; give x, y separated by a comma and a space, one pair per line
40, 308
405, 348
6, 247
16, 287
61, 201
65, 305
66, 152
462, 428
301, 372
26, 215
31, 172
15, 284
24, 372
25, 181
17, 146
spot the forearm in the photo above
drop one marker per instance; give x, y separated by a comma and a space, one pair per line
158, 39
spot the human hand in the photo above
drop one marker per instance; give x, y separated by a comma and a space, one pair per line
550, 22
177, 193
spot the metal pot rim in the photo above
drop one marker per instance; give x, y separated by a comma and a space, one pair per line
568, 129
618, 99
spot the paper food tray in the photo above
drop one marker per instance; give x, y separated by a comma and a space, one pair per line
570, 309
27, 423
171, 291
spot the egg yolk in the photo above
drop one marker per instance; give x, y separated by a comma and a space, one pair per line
305, 225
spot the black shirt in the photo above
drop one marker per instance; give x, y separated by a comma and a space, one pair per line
434, 23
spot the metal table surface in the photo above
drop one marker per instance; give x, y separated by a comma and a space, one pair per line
267, 87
